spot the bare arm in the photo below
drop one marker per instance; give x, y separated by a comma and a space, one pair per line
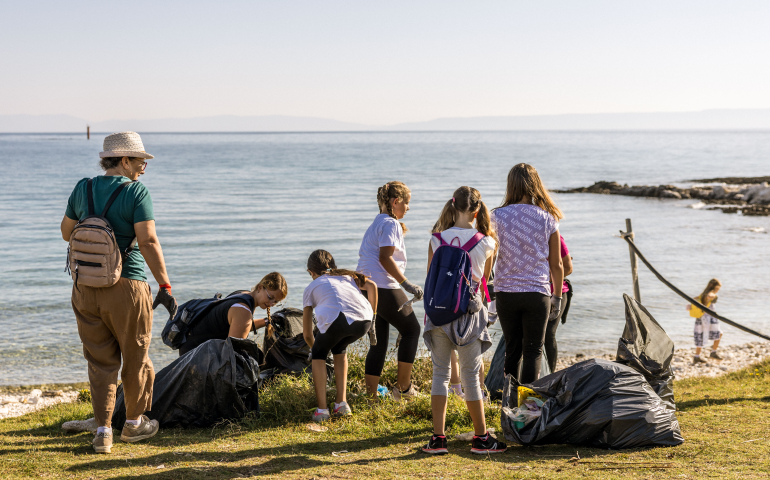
307, 326
371, 293
386, 259
240, 322
488, 267
554, 261
567, 262
67, 225
149, 245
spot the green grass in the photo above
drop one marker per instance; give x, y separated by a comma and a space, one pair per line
725, 423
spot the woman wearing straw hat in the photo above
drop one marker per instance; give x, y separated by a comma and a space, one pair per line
115, 317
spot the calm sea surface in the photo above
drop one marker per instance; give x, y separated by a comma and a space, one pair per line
233, 207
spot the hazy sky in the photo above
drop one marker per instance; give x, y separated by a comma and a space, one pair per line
381, 62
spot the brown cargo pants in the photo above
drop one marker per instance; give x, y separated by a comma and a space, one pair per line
113, 322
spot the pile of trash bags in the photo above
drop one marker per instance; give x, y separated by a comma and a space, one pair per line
599, 403
495, 379
286, 352
217, 380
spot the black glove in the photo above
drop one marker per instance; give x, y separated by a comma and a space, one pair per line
555, 308
373, 332
413, 289
165, 298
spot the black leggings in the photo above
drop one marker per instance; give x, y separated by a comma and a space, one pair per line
338, 336
523, 318
405, 321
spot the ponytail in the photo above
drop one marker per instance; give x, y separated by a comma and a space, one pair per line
446, 219
321, 262
465, 199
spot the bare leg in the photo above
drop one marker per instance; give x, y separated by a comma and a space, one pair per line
455, 378
371, 384
716, 342
476, 409
404, 378
697, 351
341, 376
438, 406
319, 381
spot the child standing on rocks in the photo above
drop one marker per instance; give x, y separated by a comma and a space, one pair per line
705, 324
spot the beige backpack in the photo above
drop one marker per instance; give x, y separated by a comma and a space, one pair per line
93, 256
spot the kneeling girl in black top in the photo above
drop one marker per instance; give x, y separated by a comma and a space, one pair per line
343, 316
233, 317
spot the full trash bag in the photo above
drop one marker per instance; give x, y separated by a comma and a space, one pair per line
216, 381
648, 349
287, 351
604, 404
495, 379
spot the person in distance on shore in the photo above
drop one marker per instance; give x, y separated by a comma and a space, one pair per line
467, 334
705, 324
343, 316
233, 317
382, 257
550, 345
528, 259
115, 321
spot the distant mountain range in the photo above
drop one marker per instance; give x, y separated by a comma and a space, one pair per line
702, 120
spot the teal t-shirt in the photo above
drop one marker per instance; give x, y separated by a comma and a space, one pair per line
133, 205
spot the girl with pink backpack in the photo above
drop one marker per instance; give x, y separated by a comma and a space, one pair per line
455, 239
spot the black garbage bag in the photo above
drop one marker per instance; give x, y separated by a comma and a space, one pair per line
495, 379
287, 351
648, 349
597, 403
216, 381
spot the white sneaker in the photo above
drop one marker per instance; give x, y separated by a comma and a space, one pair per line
342, 410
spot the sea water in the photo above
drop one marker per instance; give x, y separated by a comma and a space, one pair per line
232, 207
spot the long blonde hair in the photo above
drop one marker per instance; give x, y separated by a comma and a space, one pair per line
712, 285
465, 199
389, 191
523, 180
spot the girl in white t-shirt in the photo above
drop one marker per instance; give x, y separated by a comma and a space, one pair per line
382, 257
468, 334
343, 315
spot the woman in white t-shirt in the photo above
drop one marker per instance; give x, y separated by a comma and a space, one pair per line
468, 334
343, 315
382, 257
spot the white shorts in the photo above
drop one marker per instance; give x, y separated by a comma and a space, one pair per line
706, 327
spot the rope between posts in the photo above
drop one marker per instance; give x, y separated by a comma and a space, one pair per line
684, 295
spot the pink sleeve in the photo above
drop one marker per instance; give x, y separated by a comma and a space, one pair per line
564, 251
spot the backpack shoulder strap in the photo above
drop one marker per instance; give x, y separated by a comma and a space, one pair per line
113, 197
440, 238
90, 194
473, 241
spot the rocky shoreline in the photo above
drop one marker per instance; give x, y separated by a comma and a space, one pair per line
747, 195
736, 357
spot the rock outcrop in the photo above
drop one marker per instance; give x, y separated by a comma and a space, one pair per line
749, 199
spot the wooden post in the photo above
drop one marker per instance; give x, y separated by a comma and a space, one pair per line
88, 132
629, 233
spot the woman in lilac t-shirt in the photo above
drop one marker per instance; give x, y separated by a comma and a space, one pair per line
529, 257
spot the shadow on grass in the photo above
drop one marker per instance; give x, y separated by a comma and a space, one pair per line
714, 402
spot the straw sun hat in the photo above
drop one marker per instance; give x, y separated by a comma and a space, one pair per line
124, 144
